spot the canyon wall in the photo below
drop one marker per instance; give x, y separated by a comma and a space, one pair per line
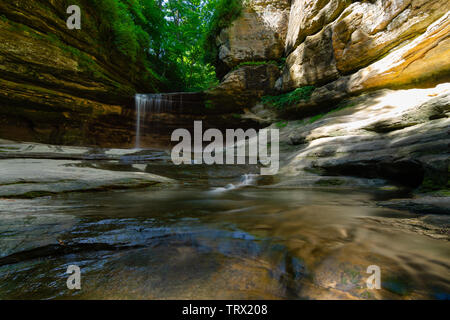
379, 71
343, 47
64, 86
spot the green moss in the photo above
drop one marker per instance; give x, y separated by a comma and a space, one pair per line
284, 100
316, 117
442, 193
339, 108
437, 193
367, 295
330, 182
431, 184
209, 104
281, 124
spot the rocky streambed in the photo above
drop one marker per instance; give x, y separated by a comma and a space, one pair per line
141, 228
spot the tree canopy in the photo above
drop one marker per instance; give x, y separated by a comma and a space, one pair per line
173, 39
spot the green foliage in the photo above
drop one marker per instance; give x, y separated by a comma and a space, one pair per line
224, 13
182, 46
281, 124
117, 26
329, 182
209, 104
316, 117
170, 44
164, 37
290, 98
282, 63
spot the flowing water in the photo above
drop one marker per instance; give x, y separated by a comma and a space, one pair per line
221, 233
152, 103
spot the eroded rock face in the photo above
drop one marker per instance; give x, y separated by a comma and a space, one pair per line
400, 135
335, 39
308, 17
242, 88
311, 63
63, 86
422, 61
258, 35
366, 31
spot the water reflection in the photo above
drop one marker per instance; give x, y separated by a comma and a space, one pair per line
185, 242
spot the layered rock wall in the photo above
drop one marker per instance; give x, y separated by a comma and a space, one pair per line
63, 86
344, 47
381, 102
391, 39
259, 34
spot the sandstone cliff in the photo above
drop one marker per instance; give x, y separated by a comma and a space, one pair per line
63, 86
343, 47
352, 54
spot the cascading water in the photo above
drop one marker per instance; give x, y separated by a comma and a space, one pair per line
150, 103
173, 103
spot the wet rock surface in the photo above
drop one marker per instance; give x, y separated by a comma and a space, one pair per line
251, 243
422, 204
35, 170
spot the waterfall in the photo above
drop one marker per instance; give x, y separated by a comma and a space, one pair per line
150, 103
173, 103
138, 102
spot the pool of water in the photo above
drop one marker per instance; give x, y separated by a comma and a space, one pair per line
217, 235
